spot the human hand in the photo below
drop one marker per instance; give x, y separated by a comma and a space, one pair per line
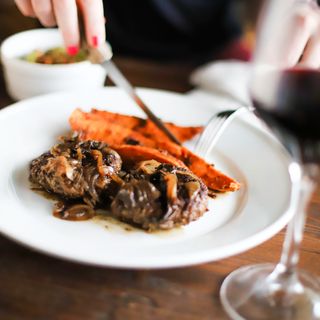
305, 42
294, 40
64, 13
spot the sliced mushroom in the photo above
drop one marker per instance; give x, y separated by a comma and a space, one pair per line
137, 202
148, 167
73, 212
192, 187
172, 186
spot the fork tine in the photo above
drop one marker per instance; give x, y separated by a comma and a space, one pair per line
211, 142
214, 122
214, 129
214, 125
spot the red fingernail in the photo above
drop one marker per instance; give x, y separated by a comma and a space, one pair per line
95, 41
72, 50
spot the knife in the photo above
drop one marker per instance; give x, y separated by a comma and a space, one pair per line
120, 80
103, 56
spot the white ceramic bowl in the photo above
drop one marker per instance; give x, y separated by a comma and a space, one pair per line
25, 79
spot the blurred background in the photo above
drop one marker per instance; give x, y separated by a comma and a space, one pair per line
11, 20
246, 11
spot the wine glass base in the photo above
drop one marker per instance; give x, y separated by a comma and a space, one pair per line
257, 292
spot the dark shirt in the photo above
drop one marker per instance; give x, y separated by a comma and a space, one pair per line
170, 29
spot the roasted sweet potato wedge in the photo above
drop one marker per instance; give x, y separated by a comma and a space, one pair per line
213, 178
97, 129
117, 135
143, 126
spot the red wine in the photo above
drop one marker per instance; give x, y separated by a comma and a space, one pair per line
295, 110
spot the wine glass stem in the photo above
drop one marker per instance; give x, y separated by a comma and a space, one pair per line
303, 187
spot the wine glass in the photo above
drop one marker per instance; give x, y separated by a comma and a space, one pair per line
285, 90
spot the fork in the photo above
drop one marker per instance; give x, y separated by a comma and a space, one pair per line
214, 129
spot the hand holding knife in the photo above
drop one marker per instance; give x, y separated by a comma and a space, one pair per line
103, 56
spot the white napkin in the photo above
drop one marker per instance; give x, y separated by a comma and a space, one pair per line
225, 85
226, 79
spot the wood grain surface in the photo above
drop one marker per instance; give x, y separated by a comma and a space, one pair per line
35, 286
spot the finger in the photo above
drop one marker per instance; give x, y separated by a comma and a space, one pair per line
301, 30
290, 37
94, 20
25, 7
67, 19
44, 11
311, 55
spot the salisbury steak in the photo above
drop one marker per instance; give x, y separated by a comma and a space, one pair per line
89, 175
160, 196
76, 170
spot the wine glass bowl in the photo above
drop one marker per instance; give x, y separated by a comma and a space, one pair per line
285, 91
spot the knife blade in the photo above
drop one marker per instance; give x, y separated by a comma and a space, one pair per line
103, 56
121, 81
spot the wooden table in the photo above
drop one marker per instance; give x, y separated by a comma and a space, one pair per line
35, 286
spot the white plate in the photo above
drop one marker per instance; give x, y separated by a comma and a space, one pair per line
235, 222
